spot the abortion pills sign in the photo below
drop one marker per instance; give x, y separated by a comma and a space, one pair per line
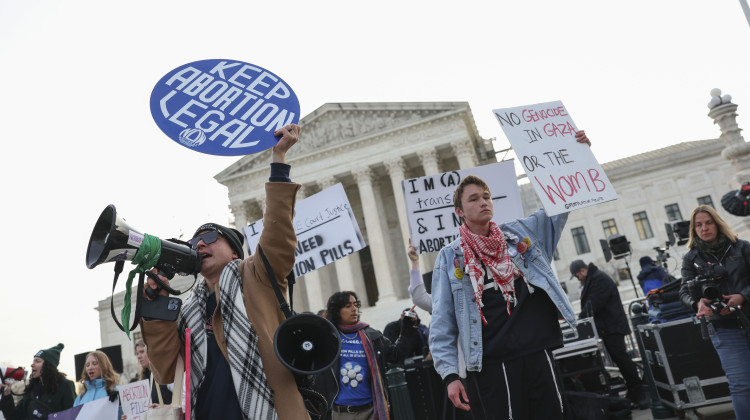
223, 107
564, 173
325, 227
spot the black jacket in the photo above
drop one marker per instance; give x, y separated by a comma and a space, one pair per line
327, 382
386, 351
601, 299
38, 399
415, 339
736, 261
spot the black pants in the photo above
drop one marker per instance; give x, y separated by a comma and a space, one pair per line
615, 344
535, 393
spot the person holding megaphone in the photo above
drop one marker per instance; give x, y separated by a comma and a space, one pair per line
233, 314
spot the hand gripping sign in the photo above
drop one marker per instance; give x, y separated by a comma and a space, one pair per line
223, 107
564, 173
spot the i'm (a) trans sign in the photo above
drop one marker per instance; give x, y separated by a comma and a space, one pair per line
223, 107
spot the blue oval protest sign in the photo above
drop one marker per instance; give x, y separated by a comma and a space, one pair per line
223, 107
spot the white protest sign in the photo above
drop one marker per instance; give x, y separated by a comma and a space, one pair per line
134, 399
564, 173
433, 222
99, 409
325, 227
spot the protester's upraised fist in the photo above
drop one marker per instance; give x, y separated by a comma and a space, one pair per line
289, 137
412, 252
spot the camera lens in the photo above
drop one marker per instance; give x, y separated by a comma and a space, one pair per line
710, 291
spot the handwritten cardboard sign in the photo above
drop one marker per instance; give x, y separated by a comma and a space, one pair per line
433, 222
325, 227
134, 399
564, 173
223, 107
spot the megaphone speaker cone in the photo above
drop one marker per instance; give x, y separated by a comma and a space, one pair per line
110, 239
307, 344
113, 240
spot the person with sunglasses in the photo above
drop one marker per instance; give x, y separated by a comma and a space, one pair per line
233, 314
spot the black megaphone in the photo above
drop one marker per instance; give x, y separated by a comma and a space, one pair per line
307, 344
113, 240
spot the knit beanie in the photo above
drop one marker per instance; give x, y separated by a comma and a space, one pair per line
51, 355
233, 236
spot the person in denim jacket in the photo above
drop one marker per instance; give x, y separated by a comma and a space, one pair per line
495, 295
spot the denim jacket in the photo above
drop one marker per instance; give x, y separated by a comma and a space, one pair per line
455, 316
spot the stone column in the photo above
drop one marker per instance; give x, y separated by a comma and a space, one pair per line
429, 161
375, 238
312, 280
261, 203
241, 214
395, 168
465, 153
737, 151
254, 212
430, 164
343, 266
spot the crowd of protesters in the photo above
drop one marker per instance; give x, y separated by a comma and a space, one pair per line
496, 321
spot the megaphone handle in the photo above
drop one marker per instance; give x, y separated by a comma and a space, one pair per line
152, 293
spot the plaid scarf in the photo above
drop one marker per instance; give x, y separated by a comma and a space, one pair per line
251, 385
491, 252
376, 382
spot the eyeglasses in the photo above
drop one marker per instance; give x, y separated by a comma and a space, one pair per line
208, 238
358, 304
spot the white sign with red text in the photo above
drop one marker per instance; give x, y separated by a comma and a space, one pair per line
134, 399
564, 173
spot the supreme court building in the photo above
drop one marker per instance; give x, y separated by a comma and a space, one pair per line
371, 147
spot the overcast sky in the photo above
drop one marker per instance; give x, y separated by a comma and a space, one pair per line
76, 76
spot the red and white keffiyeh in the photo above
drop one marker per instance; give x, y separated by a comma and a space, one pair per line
492, 251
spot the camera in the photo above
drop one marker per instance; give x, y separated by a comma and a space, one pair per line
661, 254
410, 314
706, 283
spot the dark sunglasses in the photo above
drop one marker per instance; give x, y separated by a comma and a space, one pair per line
208, 238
